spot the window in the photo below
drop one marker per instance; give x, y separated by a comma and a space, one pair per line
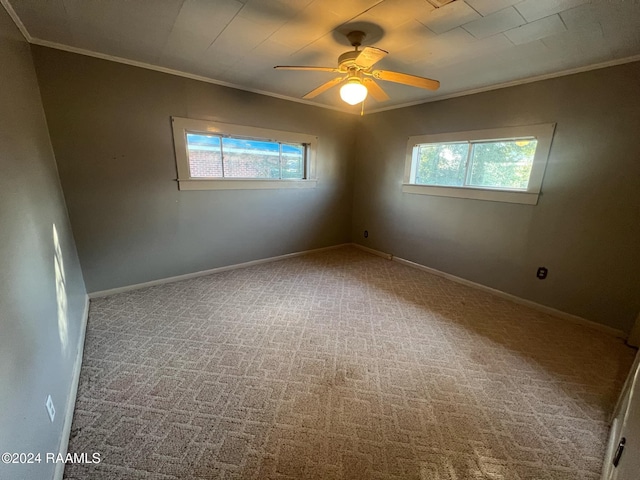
212, 155
504, 164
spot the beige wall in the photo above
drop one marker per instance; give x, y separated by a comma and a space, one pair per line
585, 228
110, 128
39, 328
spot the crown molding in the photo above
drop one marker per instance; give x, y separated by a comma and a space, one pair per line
16, 19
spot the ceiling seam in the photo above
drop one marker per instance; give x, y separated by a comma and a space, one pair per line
471, 7
71, 30
173, 26
225, 27
562, 20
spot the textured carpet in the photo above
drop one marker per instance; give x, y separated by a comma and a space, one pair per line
339, 365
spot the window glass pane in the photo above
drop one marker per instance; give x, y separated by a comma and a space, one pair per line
247, 158
441, 163
505, 164
292, 161
205, 160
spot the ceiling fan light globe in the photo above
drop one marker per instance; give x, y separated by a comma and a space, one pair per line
353, 92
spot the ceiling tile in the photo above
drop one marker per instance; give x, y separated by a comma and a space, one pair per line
45, 20
274, 50
487, 7
391, 13
272, 11
536, 30
322, 52
536, 54
135, 30
484, 70
533, 10
196, 27
404, 35
309, 25
623, 38
448, 17
347, 10
575, 36
615, 25
296, 4
439, 3
446, 45
580, 16
486, 48
498, 22
566, 48
601, 12
620, 22
241, 36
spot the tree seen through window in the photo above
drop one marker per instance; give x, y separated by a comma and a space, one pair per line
498, 164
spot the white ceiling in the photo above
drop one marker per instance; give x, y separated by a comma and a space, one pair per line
467, 44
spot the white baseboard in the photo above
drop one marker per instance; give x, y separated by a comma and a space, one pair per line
531, 304
73, 391
202, 273
499, 293
388, 256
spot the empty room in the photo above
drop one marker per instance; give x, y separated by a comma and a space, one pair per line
320, 239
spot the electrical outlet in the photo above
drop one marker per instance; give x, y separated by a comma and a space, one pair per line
366, 234
542, 273
50, 408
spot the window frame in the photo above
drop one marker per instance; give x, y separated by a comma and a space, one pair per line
543, 133
182, 126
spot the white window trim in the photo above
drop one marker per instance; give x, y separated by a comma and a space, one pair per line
182, 126
543, 134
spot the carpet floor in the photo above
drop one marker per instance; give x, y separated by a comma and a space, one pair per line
339, 365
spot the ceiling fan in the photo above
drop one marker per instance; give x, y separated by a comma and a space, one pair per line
355, 69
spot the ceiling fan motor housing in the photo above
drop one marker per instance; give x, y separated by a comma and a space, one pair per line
348, 59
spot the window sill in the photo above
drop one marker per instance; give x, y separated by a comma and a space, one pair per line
508, 196
243, 184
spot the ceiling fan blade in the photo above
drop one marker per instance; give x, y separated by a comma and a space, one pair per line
375, 90
296, 67
406, 79
370, 56
324, 87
